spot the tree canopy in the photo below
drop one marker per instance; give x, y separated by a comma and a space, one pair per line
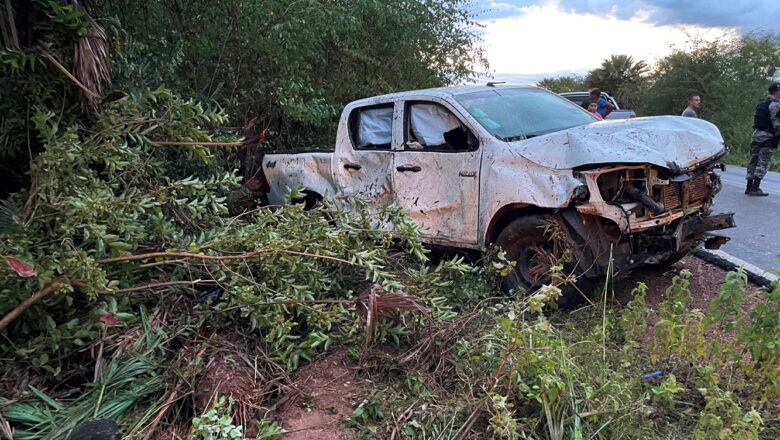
295, 64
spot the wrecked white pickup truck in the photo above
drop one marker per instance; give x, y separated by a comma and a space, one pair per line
528, 170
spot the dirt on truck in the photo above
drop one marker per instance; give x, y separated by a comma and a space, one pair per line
525, 169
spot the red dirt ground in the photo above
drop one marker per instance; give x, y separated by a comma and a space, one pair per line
328, 391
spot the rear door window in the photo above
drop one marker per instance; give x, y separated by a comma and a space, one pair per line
371, 128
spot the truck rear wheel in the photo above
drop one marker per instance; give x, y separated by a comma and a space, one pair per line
531, 242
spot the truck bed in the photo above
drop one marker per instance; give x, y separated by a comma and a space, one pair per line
302, 169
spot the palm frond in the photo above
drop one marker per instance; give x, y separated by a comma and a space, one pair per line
121, 387
8, 217
374, 304
92, 58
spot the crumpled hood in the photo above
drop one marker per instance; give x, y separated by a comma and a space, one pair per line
657, 140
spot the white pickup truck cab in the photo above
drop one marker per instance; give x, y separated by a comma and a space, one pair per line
526, 169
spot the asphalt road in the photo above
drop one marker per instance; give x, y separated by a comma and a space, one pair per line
756, 239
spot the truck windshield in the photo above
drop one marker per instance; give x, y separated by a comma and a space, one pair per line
513, 114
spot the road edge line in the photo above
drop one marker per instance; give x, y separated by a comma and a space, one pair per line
728, 262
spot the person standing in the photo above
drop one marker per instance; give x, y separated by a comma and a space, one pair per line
766, 127
693, 104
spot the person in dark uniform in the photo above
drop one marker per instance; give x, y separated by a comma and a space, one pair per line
766, 133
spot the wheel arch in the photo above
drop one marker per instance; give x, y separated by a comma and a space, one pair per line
310, 198
508, 213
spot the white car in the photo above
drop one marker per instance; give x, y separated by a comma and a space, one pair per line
528, 170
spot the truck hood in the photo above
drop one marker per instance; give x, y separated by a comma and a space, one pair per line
665, 141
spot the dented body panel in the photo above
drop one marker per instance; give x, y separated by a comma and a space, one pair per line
627, 184
309, 170
656, 140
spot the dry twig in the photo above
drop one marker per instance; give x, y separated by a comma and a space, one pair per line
37, 296
163, 409
59, 66
5, 429
200, 144
374, 303
242, 256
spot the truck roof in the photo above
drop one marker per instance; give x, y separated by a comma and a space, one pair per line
441, 92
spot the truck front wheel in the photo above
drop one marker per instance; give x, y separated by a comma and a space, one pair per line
534, 243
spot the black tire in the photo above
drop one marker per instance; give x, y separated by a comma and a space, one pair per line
309, 200
525, 242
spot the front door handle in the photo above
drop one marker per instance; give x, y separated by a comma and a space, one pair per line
352, 166
412, 168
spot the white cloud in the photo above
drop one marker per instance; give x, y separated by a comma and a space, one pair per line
547, 39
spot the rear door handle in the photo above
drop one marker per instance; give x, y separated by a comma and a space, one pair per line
352, 166
412, 168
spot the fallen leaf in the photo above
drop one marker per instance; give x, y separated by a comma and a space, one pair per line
22, 269
109, 319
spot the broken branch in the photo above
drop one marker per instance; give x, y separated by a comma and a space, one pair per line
165, 284
37, 296
203, 144
62, 68
163, 409
242, 256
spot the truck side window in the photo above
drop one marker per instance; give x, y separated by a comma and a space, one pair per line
433, 127
371, 128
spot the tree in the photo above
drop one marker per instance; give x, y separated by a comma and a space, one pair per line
567, 83
730, 75
620, 76
294, 65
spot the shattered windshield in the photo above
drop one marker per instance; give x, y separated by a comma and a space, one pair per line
520, 113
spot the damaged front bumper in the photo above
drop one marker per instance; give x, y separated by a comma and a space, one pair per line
645, 215
695, 228
596, 243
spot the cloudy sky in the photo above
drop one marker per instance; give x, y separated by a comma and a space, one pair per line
536, 38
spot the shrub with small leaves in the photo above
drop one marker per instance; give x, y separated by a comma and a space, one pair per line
217, 423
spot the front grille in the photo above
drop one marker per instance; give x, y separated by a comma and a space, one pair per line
692, 191
670, 196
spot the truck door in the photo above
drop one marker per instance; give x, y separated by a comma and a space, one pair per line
364, 157
436, 173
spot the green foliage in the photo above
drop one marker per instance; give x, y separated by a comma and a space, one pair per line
664, 393
123, 386
679, 330
31, 83
301, 261
502, 421
561, 377
104, 193
723, 418
622, 77
633, 318
566, 83
366, 415
295, 64
217, 423
756, 332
